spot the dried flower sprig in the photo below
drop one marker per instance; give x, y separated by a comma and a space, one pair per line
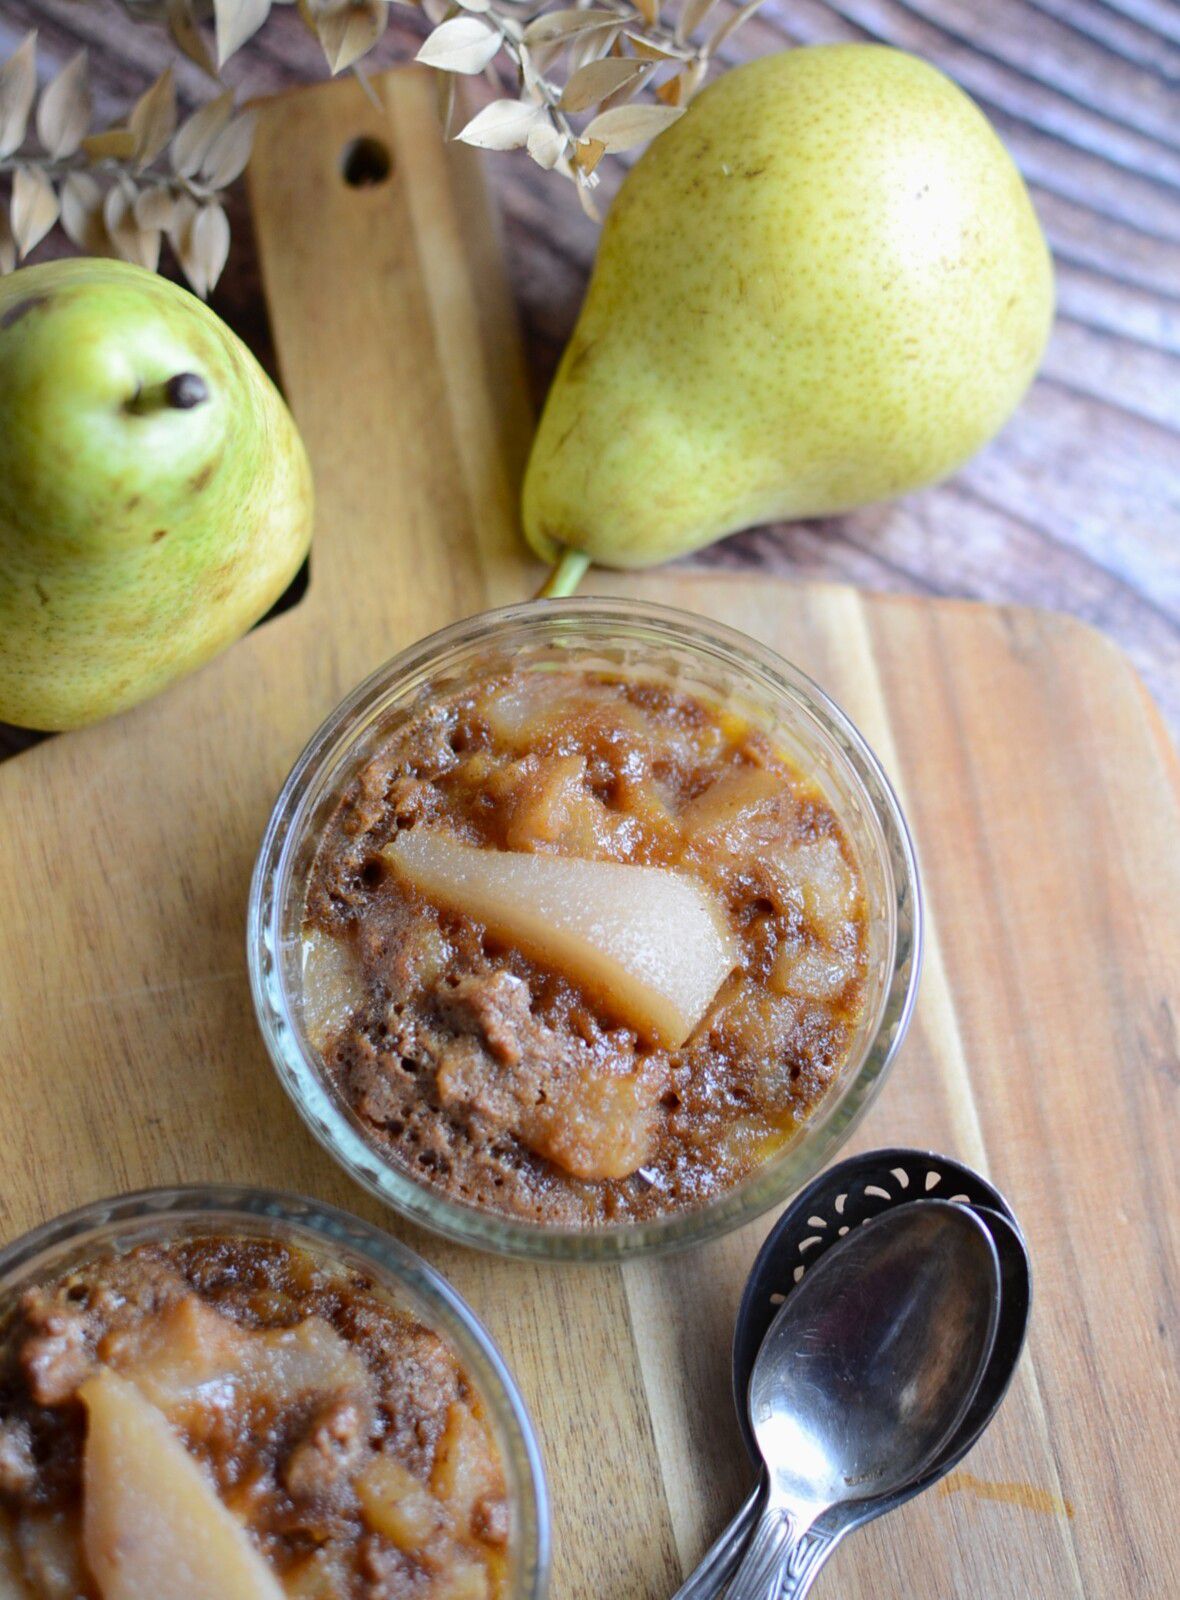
123, 190
577, 72
574, 72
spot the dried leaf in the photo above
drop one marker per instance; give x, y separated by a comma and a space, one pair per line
730, 26
200, 238
445, 87
63, 113
503, 125
530, 75
649, 10
155, 207
180, 237
671, 93
588, 153
586, 47
476, 5
228, 154
351, 32
34, 208
140, 245
691, 79
654, 50
464, 44
627, 126
598, 79
18, 85
7, 244
81, 213
235, 22
555, 25
367, 89
692, 14
129, 241
184, 216
153, 119
586, 201
197, 133
545, 144
114, 144
183, 28
210, 244
629, 90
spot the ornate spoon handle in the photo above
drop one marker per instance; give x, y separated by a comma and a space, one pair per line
807, 1557
781, 1559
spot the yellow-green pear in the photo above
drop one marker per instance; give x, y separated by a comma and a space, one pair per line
824, 285
155, 496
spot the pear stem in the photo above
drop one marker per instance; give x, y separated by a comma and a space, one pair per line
566, 575
181, 392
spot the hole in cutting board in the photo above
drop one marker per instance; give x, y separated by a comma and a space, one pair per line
365, 162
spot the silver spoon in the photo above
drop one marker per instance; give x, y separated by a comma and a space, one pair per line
866, 1373
839, 1199
709, 1578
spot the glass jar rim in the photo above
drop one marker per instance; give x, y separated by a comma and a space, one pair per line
297, 1063
329, 1230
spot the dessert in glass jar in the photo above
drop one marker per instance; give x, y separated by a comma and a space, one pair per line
583, 927
233, 1393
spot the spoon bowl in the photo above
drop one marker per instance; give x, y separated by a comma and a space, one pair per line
871, 1364
867, 1370
831, 1206
839, 1200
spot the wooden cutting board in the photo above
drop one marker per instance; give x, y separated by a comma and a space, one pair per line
1044, 797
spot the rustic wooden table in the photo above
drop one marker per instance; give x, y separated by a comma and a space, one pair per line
1077, 505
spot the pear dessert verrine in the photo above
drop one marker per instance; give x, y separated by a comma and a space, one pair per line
216, 1410
581, 947
584, 928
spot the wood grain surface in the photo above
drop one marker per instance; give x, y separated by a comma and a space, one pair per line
1045, 801
1077, 505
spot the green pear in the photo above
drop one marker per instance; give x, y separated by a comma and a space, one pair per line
824, 285
155, 496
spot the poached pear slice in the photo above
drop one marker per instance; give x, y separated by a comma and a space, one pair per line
647, 942
190, 1350
153, 1527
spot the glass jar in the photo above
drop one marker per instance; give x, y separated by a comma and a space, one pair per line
651, 643
333, 1237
